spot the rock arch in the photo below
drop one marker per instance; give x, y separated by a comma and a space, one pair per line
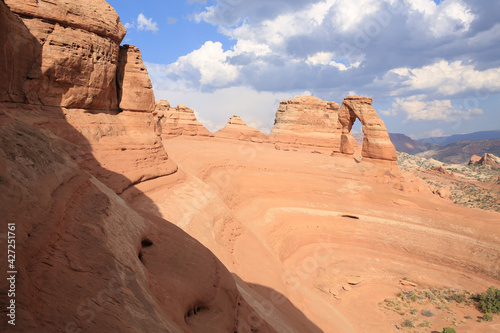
376, 142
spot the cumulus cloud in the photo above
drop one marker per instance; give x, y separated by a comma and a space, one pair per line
392, 50
444, 78
205, 67
449, 17
143, 23
417, 108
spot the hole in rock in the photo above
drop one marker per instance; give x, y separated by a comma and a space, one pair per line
194, 310
146, 243
140, 255
351, 217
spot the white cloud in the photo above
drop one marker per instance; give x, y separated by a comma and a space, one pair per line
144, 23
206, 66
417, 108
326, 59
443, 77
171, 20
450, 17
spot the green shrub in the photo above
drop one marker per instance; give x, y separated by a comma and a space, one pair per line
408, 323
449, 330
490, 300
488, 317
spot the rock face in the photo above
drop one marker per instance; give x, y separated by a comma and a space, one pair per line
180, 120
73, 64
85, 260
113, 269
487, 159
307, 121
79, 45
20, 51
376, 142
135, 91
237, 129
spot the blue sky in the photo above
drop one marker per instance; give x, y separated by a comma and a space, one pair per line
432, 67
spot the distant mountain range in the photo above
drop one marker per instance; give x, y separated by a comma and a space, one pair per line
461, 151
406, 144
451, 149
446, 140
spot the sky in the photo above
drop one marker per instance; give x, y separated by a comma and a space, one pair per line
432, 67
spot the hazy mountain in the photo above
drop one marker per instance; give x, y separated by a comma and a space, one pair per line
446, 140
460, 152
406, 144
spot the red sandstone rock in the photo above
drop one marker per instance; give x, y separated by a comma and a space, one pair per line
135, 91
237, 129
486, 159
79, 43
444, 193
180, 120
86, 261
307, 120
474, 159
376, 142
17, 56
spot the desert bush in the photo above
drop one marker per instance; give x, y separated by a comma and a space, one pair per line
408, 323
488, 317
427, 313
489, 301
449, 330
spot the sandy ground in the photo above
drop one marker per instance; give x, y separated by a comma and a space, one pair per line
332, 236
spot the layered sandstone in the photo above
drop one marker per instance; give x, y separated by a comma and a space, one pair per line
79, 46
135, 91
236, 129
307, 121
376, 141
180, 120
487, 159
86, 261
20, 52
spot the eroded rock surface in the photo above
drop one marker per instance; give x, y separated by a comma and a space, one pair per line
376, 141
308, 121
179, 120
236, 129
135, 92
79, 45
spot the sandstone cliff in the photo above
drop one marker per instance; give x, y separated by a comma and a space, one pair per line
237, 129
86, 261
79, 44
135, 91
180, 120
